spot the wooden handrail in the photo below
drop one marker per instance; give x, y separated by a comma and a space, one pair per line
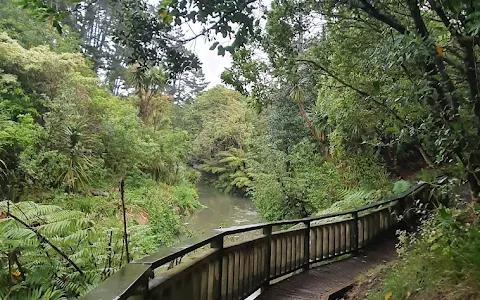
235, 271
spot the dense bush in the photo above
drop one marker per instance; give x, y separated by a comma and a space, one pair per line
219, 123
441, 261
38, 240
65, 143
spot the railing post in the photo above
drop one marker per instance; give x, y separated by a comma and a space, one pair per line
306, 246
354, 240
267, 231
217, 243
141, 292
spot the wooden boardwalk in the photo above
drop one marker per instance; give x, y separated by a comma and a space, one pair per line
213, 269
315, 283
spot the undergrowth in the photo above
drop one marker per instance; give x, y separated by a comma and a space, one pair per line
440, 261
88, 230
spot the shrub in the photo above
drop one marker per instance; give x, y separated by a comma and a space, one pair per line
441, 261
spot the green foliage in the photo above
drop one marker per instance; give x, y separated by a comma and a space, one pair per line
132, 25
441, 261
348, 93
218, 121
154, 213
401, 186
299, 181
32, 263
65, 142
17, 23
230, 170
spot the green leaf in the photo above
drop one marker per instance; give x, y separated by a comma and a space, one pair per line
221, 50
214, 46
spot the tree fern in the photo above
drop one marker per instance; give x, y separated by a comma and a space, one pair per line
43, 245
229, 170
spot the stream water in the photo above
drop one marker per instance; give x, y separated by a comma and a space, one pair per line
221, 210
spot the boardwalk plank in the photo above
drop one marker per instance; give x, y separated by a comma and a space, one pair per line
314, 283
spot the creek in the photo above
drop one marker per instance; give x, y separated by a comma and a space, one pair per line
220, 211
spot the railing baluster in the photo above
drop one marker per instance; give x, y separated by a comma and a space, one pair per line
231, 275
382, 220
324, 241
241, 272
260, 265
298, 257
278, 256
293, 250
246, 272
235, 276
218, 244
372, 226
354, 233
205, 280
288, 252
293, 241
348, 235
265, 270
283, 249
254, 264
306, 246
197, 283
338, 238
267, 231
225, 270
365, 230
313, 243
238, 267
284, 253
332, 226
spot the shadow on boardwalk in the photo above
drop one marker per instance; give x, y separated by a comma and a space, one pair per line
316, 282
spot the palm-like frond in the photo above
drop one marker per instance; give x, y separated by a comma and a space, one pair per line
37, 234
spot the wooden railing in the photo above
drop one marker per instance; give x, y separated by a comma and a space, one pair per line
215, 270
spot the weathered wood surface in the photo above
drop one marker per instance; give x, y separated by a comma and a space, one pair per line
315, 283
213, 270
233, 272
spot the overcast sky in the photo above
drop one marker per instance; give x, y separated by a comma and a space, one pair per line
212, 63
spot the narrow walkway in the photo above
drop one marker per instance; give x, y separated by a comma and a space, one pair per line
315, 283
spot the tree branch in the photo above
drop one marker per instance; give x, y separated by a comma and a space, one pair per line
389, 20
443, 16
